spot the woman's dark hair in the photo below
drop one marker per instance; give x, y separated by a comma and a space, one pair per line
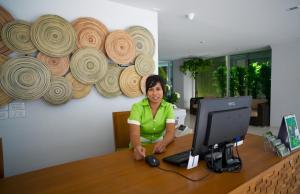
152, 80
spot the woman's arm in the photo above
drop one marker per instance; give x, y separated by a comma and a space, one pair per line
160, 147
139, 151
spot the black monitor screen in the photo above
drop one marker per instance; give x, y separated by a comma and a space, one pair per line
220, 120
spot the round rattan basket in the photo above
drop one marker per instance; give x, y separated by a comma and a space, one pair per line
88, 65
79, 90
5, 17
16, 36
109, 85
119, 47
130, 82
25, 78
60, 91
53, 36
58, 66
90, 33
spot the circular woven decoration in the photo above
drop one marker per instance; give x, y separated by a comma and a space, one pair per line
90, 33
16, 36
5, 17
3, 58
57, 65
143, 84
143, 40
109, 85
144, 65
53, 35
79, 90
59, 92
130, 82
88, 65
4, 98
25, 78
119, 47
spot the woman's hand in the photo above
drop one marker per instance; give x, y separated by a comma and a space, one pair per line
159, 147
139, 152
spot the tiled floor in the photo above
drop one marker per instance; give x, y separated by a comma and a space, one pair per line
190, 122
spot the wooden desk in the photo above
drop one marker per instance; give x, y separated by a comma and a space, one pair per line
119, 173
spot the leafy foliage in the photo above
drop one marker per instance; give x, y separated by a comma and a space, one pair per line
220, 78
194, 66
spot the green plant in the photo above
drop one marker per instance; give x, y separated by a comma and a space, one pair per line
265, 79
171, 96
253, 79
220, 79
233, 84
194, 66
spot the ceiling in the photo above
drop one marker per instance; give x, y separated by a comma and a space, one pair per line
220, 27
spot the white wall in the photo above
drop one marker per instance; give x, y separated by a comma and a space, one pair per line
285, 85
81, 128
182, 84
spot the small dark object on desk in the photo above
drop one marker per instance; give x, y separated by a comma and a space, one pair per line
152, 161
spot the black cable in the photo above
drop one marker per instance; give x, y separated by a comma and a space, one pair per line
173, 171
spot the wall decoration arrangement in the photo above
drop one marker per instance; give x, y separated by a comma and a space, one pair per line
59, 61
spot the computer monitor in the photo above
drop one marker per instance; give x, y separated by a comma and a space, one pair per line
220, 121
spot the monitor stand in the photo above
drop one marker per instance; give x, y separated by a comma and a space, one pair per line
229, 161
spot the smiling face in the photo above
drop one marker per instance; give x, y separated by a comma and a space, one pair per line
155, 94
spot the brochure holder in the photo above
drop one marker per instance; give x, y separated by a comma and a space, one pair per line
289, 132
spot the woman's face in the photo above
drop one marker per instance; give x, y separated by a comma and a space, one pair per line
155, 94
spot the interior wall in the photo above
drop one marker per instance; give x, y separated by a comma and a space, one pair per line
285, 84
50, 135
182, 84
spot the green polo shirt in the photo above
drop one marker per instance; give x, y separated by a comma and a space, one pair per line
151, 128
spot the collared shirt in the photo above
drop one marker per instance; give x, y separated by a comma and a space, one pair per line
151, 128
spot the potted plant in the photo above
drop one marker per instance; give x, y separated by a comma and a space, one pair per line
194, 66
220, 79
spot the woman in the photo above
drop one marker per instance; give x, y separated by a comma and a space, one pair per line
151, 120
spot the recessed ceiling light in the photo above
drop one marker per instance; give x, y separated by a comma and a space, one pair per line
156, 9
293, 8
190, 16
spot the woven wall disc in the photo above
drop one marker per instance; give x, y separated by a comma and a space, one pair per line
88, 65
3, 58
119, 47
16, 36
79, 90
4, 98
143, 40
143, 84
130, 82
53, 35
57, 65
144, 65
59, 92
109, 85
25, 78
90, 33
5, 17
